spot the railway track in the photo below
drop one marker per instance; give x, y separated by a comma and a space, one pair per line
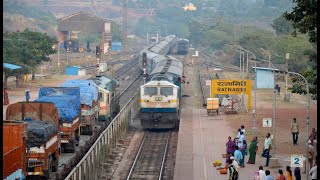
134, 62
149, 161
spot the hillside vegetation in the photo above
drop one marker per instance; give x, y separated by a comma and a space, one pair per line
17, 16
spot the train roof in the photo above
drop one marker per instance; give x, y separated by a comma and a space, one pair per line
161, 44
172, 70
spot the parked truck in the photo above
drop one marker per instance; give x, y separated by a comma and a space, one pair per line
89, 104
43, 142
67, 102
14, 149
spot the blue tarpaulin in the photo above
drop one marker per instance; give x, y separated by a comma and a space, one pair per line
88, 90
11, 66
67, 101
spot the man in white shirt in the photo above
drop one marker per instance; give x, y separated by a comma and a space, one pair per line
313, 171
262, 174
235, 163
244, 131
240, 140
267, 148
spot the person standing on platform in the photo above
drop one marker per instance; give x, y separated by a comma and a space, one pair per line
313, 171
297, 173
295, 131
27, 95
281, 176
244, 131
233, 173
253, 150
240, 140
237, 155
289, 173
230, 147
313, 135
244, 153
5, 97
238, 136
235, 163
262, 174
268, 176
267, 148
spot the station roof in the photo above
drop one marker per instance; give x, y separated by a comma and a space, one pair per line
82, 21
264, 68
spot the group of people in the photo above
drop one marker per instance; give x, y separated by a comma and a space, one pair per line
266, 175
237, 148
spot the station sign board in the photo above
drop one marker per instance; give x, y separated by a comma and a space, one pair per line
231, 86
297, 160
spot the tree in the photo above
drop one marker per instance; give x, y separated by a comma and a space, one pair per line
281, 25
304, 18
27, 49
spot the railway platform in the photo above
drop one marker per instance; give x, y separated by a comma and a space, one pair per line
202, 140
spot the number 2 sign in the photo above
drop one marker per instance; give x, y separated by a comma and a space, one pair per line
297, 160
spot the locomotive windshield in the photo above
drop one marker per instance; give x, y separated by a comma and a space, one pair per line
167, 91
150, 91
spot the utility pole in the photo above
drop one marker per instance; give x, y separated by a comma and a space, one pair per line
124, 24
286, 96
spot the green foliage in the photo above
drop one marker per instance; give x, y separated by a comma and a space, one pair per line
282, 26
28, 11
304, 18
27, 49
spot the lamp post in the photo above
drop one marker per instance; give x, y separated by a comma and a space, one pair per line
286, 96
241, 51
308, 117
254, 128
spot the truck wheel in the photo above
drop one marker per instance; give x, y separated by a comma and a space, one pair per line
55, 164
48, 174
63, 148
73, 147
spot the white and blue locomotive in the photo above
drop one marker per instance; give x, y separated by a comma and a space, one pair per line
160, 95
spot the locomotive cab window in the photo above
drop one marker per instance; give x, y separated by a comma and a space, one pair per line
150, 91
101, 96
167, 91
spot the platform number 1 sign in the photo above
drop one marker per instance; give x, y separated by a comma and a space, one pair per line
297, 160
267, 122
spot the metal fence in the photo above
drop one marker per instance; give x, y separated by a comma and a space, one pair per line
102, 148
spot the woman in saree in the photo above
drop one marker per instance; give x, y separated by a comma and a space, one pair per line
253, 150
